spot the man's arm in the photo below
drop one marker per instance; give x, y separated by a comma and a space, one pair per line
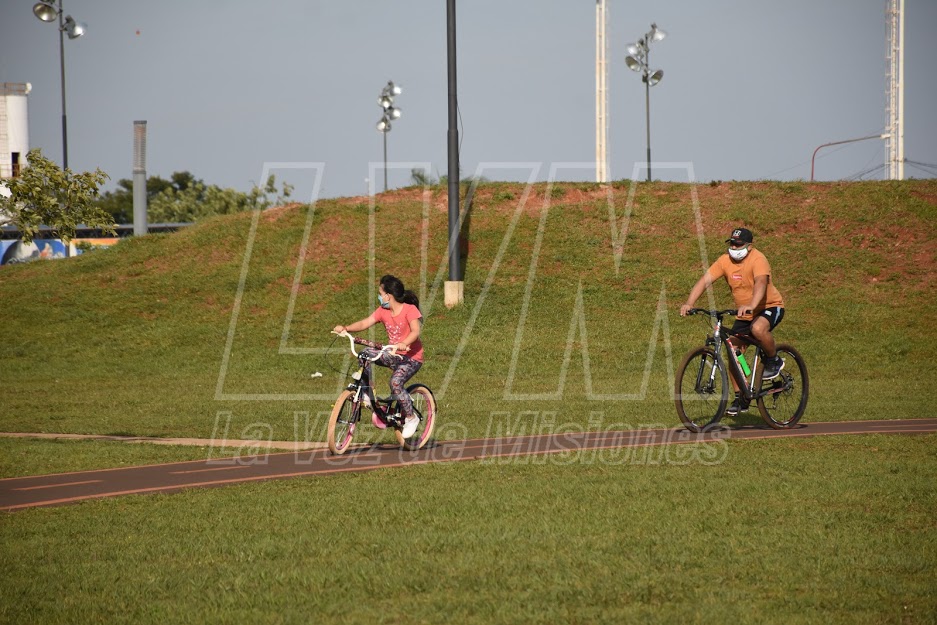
701, 285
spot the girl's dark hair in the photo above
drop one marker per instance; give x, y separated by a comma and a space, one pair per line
393, 285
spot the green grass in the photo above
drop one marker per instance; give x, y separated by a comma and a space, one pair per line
831, 529
132, 339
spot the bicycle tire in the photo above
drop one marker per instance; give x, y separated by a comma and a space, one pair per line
424, 407
701, 404
784, 406
342, 422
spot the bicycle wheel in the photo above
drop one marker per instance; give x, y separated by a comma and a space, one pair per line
342, 422
424, 407
702, 389
785, 397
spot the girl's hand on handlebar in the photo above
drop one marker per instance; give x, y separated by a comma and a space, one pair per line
338, 329
402, 347
685, 309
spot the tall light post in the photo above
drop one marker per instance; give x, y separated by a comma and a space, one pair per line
47, 11
638, 60
386, 102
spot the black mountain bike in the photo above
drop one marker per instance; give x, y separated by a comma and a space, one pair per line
702, 384
359, 395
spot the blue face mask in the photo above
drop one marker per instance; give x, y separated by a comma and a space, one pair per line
383, 304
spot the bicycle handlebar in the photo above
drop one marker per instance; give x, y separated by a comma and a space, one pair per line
717, 314
391, 349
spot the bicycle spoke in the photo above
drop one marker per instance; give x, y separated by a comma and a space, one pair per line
783, 402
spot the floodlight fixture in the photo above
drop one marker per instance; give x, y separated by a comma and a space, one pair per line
74, 29
656, 33
634, 64
45, 11
654, 78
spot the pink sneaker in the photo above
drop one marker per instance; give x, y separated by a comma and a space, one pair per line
377, 422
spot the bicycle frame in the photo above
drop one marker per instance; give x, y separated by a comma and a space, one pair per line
722, 346
362, 382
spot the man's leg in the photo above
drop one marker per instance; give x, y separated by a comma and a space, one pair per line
761, 330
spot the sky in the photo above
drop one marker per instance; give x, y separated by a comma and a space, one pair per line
750, 87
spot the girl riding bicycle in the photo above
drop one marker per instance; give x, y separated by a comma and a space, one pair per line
399, 311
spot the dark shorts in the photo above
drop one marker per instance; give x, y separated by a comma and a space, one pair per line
773, 315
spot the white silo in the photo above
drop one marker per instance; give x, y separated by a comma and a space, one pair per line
14, 127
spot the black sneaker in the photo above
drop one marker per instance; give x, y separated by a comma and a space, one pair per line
739, 405
772, 368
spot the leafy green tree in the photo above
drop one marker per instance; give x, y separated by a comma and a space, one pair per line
43, 194
194, 200
119, 203
185, 198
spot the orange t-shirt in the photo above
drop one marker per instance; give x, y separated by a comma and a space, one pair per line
741, 278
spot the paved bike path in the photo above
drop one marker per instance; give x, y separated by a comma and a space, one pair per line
63, 488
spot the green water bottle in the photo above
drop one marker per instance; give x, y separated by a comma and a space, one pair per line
741, 357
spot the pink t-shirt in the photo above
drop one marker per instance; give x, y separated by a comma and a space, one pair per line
398, 328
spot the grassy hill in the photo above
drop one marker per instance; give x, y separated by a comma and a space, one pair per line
221, 324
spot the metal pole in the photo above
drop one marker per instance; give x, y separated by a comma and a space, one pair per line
62, 66
826, 145
453, 136
140, 222
900, 138
385, 160
454, 285
647, 108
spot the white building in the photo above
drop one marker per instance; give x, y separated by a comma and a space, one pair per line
14, 127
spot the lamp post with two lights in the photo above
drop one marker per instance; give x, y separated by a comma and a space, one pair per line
47, 11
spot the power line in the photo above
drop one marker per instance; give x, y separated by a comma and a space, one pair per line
932, 173
863, 173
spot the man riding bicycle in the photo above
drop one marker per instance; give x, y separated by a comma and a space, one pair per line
760, 306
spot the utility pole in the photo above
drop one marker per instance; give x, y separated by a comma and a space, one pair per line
601, 92
894, 104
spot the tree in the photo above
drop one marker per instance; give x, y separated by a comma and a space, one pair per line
119, 203
196, 200
43, 194
185, 198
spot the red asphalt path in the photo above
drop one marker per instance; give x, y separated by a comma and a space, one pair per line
63, 488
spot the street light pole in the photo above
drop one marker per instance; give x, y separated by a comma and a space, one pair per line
386, 102
638, 60
62, 67
647, 113
47, 10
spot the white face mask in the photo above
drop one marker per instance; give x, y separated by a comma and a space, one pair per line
738, 254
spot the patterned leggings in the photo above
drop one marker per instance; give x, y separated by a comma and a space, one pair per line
403, 369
